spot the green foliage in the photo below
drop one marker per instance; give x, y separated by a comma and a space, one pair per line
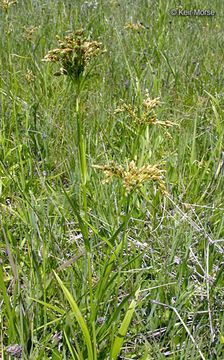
87, 272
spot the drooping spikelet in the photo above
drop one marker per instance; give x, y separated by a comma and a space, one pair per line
29, 76
74, 54
132, 178
148, 116
28, 32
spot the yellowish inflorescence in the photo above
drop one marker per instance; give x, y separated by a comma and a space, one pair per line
29, 32
74, 54
29, 76
5, 4
134, 27
132, 178
148, 115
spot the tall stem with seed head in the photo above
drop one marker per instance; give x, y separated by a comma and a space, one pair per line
74, 54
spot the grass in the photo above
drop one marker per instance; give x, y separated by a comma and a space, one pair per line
87, 271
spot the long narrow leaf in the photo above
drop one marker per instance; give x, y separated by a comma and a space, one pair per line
49, 306
7, 301
75, 208
71, 349
123, 328
78, 316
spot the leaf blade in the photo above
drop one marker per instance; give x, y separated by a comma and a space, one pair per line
78, 316
123, 328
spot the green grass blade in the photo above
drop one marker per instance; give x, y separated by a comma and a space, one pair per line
123, 328
7, 303
83, 228
78, 316
52, 307
71, 350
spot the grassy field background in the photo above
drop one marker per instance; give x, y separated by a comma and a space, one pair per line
87, 272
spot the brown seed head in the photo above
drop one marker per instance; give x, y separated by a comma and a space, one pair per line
132, 178
74, 54
134, 27
29, 32
5, 4
147, 111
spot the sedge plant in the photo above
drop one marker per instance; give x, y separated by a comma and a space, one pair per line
174, 249
75, 55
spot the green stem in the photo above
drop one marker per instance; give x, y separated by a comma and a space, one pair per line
83, 172
82, 153
124, 236
121, 258
81, 143
8, 42
92, 307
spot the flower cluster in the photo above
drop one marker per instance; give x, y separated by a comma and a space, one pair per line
149, 103
148, 115
134, 27
74, 54
5, 4
29, 76
132, 178
29, 32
